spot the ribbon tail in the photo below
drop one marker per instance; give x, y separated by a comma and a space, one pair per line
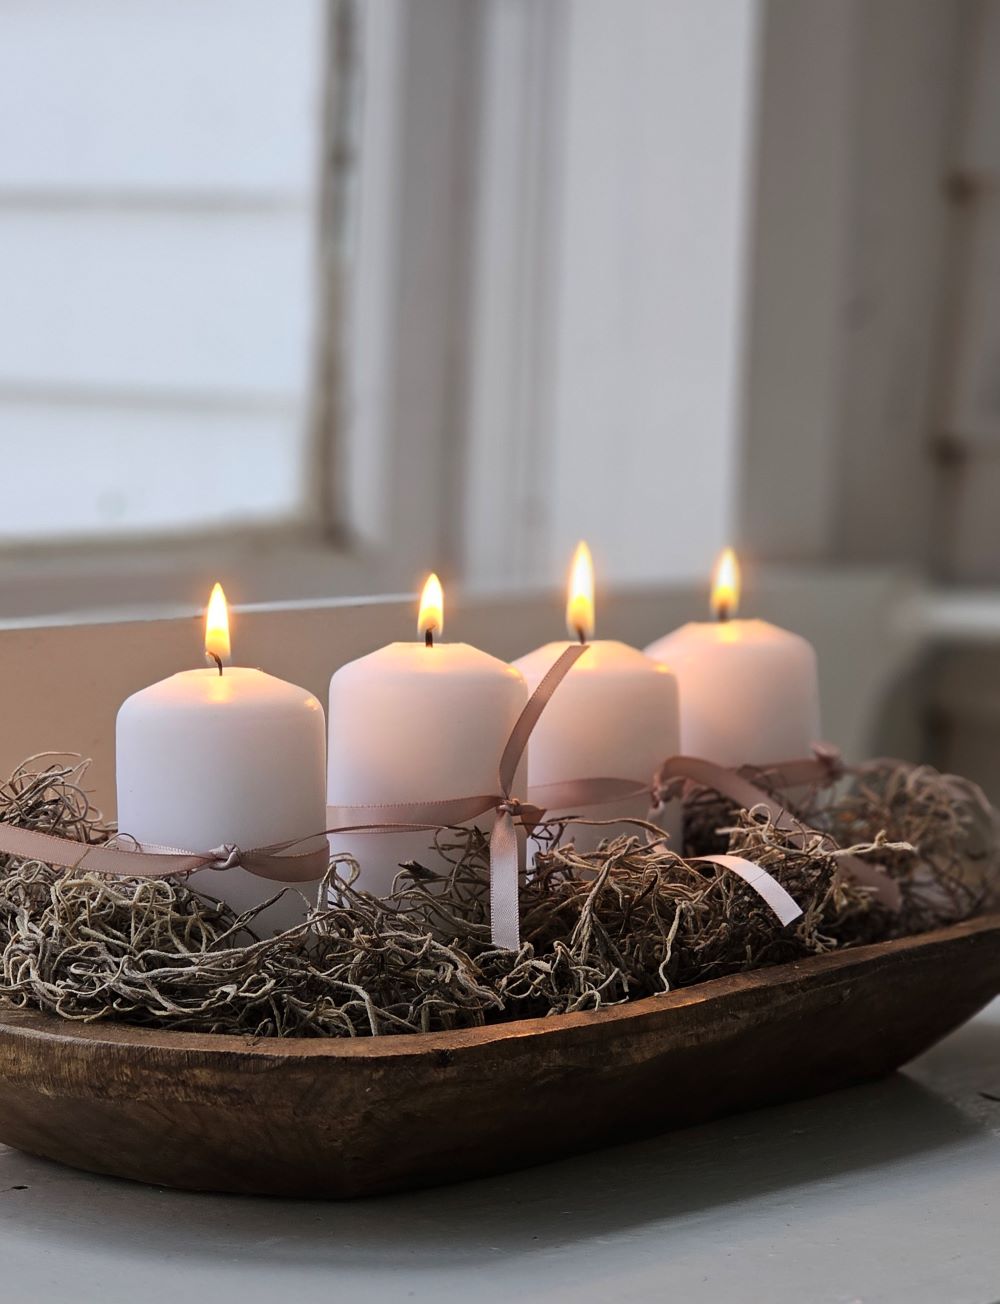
505, 923
767, 887
737, 788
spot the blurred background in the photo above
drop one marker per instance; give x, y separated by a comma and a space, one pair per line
317, 295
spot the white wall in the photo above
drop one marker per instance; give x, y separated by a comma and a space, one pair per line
651, 279
608, 307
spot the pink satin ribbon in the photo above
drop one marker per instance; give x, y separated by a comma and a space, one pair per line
508, 811
820, 768
160, 862
282, 864
505, 923
764, 884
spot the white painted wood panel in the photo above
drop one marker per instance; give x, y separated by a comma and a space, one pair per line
404, 377
796, 248
133, 469
370, 300
518, 220
972, 519
973, 411
850, 257
980, 146
906, 97
606, 382
969, 479
204, 95
176, 302
650, 281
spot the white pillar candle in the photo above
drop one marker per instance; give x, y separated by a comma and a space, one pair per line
614, 716
749, 690
206, 758
415, 723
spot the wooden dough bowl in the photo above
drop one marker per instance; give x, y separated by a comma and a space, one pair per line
343, 1118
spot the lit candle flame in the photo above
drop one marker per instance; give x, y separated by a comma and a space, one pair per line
580, 599
726, 586
430, 621
217, 627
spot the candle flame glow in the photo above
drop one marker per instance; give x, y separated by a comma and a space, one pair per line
726, 586
430, 621
580, 599
217, 625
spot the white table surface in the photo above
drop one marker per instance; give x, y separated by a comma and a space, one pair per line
889, 1192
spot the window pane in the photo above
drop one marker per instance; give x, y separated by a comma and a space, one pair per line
157, 209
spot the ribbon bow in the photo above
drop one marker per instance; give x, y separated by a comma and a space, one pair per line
507, 809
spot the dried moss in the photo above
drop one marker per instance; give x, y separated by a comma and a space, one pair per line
632, 919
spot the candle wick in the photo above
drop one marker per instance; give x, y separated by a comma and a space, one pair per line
428, 638
581, 633
723, 614
217, 659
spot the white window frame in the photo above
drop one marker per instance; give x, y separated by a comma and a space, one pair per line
432, 437
430, 442
385, 421
422, 436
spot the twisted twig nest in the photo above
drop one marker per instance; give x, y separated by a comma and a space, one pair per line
632, 919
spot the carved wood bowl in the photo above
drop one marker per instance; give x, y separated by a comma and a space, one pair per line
341, 1118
